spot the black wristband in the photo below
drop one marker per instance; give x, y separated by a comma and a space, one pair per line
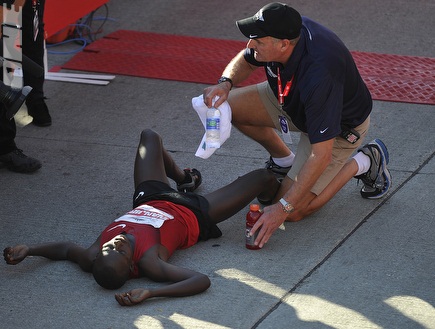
224, 79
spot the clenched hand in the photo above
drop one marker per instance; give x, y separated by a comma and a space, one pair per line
14, 255
133, 297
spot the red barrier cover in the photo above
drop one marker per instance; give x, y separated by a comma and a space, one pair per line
60, 13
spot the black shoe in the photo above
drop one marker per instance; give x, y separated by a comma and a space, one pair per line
264, 202
191, 182
280, 172
39, 111
19, 162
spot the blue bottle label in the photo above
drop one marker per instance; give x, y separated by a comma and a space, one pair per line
213, 123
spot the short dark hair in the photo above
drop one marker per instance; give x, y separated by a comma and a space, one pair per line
107, 274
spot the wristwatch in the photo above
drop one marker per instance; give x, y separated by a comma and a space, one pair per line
286, 206
223, 79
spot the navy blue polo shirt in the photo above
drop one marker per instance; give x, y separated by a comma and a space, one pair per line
327, 89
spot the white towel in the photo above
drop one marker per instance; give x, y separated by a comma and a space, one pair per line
225, 124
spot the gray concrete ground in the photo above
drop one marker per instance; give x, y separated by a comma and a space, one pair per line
355, 264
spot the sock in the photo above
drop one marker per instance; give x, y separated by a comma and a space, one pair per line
286, 161
363, 162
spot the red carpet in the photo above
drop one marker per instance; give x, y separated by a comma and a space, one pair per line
172, 57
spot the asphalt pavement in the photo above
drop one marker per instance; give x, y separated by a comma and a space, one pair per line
357, 263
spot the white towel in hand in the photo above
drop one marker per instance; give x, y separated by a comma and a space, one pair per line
225, 124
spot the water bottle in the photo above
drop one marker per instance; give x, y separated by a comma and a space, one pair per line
213, 126
252, 216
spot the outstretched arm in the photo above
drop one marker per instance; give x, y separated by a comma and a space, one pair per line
185, 282
54, 251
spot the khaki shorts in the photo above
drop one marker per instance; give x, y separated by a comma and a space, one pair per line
342, 150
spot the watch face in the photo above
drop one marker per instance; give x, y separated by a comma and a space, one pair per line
223, 79
287, 207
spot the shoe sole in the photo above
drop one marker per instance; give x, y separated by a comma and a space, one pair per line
23, 170
191, 188
383, 149
41, 124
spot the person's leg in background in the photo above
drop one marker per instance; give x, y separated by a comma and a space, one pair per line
33, 48
10, 155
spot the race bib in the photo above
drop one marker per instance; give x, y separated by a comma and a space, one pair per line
146, 214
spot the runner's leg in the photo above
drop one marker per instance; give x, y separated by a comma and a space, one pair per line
153, 162
230, 199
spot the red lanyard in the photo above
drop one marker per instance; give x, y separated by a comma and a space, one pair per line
281, 93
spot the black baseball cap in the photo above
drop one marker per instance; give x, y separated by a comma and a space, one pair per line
276, 20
